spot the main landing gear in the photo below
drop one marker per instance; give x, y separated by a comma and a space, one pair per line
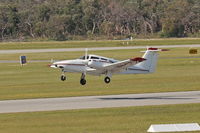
83, 81
107, 80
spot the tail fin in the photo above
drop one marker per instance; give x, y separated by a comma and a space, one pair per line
151, 56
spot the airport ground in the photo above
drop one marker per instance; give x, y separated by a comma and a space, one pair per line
109, 120
177, 71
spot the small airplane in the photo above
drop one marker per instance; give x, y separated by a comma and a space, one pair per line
99, 65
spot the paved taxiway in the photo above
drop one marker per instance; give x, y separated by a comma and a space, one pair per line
91, 49
86, 102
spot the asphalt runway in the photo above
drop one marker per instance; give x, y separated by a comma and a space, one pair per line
88, 102
92, 49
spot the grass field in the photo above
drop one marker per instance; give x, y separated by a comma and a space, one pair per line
83, 44
112, 120
36, 80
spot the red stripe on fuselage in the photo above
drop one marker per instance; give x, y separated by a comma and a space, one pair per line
137, 69
72, 64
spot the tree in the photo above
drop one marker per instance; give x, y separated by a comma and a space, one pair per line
175, 12
3, 20
57, 29
91, 17
60, 19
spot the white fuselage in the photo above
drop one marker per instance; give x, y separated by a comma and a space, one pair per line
81, 65
94, 62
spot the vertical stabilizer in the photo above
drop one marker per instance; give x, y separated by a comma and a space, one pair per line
151, 56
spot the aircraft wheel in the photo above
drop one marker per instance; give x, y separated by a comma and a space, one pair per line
107, 80
63, 77
83, 81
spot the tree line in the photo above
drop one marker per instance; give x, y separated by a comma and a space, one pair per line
67, 19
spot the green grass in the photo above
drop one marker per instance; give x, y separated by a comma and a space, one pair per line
77, 44
111, 120
36, 80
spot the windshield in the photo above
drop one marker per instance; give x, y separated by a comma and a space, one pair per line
83, 57
93, 57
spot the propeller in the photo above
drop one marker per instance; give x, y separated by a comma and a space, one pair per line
52, 61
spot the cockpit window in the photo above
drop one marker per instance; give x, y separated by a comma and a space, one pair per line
103, 59
83, 57
93, 57
111, 61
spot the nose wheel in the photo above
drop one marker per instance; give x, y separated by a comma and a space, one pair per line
63, 77
107, 80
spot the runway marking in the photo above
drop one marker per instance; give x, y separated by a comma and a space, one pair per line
108, 101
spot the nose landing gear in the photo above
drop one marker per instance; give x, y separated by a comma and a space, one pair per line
63, 77
107, 80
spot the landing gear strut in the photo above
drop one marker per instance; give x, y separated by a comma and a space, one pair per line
83, 81
107, 80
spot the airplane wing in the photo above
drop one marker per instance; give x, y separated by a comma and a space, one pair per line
122, 65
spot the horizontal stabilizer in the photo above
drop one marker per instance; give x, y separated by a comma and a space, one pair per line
155, 50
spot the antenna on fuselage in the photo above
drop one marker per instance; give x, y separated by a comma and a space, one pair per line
86, 53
